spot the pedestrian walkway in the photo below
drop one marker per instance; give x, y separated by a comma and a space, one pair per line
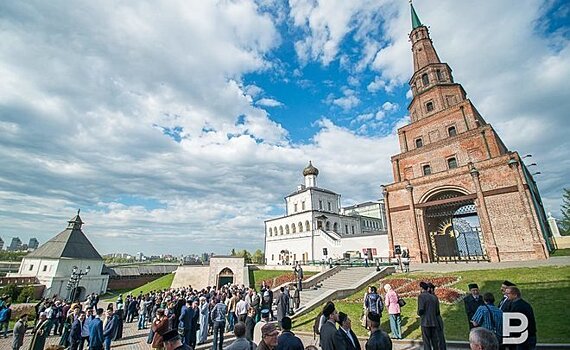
341, 284
465, 266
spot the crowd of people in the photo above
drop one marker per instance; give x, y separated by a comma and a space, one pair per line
182, 318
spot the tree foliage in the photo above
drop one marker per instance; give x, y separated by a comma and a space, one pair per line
255, 258
565, 223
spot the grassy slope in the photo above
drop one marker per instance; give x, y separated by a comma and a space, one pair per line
262, 275
544, 287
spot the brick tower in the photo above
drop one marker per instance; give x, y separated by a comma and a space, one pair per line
458, 194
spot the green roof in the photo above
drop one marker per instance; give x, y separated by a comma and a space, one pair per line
415, 19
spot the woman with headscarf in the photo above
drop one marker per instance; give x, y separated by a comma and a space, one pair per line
391, 303
204, 320
159, 327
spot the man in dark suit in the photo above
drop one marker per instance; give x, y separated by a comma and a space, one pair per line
378, 339
472, 303
345, 337
194, 323
287, 340
517, 304
96, 332
75, 337
185, 320
109, 329
328, 329
504, 303
428, 310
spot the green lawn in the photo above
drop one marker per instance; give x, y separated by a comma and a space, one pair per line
159, 283
546, 288
561, 252
263, 275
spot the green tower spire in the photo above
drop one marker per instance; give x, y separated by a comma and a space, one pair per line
415, 19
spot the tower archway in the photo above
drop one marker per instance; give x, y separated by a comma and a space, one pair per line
452, 227
225, 276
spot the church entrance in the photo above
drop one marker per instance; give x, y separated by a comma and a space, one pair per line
225, 276
454, 231
78, 294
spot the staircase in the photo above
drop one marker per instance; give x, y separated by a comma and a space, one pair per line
343, 283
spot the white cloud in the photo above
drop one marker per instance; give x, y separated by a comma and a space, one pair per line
269, 102
347, 102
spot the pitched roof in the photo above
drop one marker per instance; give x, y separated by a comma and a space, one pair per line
415, 19
70, 243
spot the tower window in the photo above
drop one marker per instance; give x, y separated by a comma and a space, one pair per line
320, 205
330, 207
429, 106
439, 75
425, 79
352, 229
328, 226
303, 205
419, 142
346, 229
426, 169
31, 267
452, 131
452, 163
319, 224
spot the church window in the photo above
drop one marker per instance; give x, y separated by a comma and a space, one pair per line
319, 224
31, 267
439, 75
272, 257
429, 106
452, 131
307, 226
328, 226
303, 205
335, 227
346, 229
452, 163
300, 225
330, 206
270, 232
286, 229
425, 79
293, 228
419, 142
45, 268
426, 169
281, 230
320, 204
295, 207
352, 229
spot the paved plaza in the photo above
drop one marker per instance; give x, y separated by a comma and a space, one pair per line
134, 339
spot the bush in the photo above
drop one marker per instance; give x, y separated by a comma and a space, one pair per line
27, 294
10, 291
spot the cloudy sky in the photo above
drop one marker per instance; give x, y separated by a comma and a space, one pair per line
179, 126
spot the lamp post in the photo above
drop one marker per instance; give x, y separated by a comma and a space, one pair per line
74, 280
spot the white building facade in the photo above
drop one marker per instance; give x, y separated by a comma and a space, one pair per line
316, 227
54, 261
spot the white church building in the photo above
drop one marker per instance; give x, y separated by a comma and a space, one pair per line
68, 254
315, 227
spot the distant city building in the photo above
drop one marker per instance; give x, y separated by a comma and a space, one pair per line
33, 244
55, 261
1, 243
316, 227
140, 256
15, 245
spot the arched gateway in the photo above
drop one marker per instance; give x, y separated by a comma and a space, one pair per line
453, 228
225, 276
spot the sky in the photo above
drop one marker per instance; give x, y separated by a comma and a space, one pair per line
180, 126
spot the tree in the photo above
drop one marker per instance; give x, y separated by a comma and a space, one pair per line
258, 257
26, 294
565, 222
233, 253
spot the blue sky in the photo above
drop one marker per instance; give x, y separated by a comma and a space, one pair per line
178, 127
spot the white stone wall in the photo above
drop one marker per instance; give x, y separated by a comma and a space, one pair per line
321, 200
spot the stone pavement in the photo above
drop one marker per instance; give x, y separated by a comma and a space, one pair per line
463, 266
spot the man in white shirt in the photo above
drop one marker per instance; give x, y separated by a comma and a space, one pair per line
241, 309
